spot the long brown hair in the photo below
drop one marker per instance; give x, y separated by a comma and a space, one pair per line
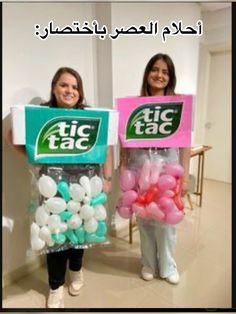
52, 101
170, 88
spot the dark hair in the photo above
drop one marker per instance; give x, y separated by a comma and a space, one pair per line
52, 101
170, 88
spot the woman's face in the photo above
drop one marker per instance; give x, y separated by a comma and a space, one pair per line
158, 78
66, 91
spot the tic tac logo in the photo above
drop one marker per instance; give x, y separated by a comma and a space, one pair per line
154, 121
67, 136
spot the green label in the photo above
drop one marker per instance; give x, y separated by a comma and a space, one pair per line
55, 135
154, 121
67, 136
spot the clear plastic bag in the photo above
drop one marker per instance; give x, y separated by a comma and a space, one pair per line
151, 186
67, 208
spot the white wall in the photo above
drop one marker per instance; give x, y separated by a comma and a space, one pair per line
29, 63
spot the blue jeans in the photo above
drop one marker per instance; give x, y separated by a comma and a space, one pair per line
158, 242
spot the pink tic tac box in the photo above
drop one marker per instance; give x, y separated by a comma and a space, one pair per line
157, 121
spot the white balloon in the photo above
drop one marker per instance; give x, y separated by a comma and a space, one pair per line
77, 192
47, 186
45, 235
63, 227
37, 244
56, 205
54, 222
86, 200
96, 185
73, 206
84, 181
86, 212
41, 216
100, 212
34, 229
74, 222
91, 225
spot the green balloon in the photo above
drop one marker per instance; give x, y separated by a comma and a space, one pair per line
71, 236
99, 199
63, 189
59, 238
80, 234
90, 237
65, 215
100, 239
101, 229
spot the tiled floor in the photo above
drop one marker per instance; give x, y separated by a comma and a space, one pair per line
203, 256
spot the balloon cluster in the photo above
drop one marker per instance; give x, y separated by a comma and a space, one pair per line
152, 192
78, 216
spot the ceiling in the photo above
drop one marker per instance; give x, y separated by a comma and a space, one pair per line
213, 6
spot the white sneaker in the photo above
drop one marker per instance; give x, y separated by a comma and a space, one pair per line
173, 279
147, 273
56, 298
77, 283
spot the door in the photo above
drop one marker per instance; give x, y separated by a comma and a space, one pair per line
218, 118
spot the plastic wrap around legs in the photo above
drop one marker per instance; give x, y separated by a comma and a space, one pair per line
151, 186
70, 211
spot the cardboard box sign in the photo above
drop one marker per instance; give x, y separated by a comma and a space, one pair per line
55, 135
18, 121
157, 121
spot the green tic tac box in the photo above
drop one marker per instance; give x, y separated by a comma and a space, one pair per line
55, 135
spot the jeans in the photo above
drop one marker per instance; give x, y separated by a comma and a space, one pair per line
158, 242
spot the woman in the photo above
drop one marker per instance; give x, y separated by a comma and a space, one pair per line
67, 92
158, 239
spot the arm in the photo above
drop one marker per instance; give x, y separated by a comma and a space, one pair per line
107, 170
123, 159
185, 161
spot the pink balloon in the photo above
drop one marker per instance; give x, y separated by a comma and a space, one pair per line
127, 180
139, 210
154, 212
174, 169
166, 182
166, 204
129, 197
169, 193
125, 212
156, 168
144, 179
174, 217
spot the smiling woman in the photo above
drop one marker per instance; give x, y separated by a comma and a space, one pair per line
66, 91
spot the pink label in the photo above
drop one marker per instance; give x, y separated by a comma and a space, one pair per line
156, 121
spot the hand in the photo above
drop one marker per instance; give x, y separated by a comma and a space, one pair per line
107, 186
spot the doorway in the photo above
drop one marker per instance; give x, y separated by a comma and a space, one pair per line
217, 126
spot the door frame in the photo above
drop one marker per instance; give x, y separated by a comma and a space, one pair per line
200, 112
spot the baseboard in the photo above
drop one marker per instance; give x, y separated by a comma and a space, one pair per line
25, 270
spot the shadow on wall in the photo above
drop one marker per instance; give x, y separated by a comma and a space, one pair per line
16, 193
16, 197
23, 95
